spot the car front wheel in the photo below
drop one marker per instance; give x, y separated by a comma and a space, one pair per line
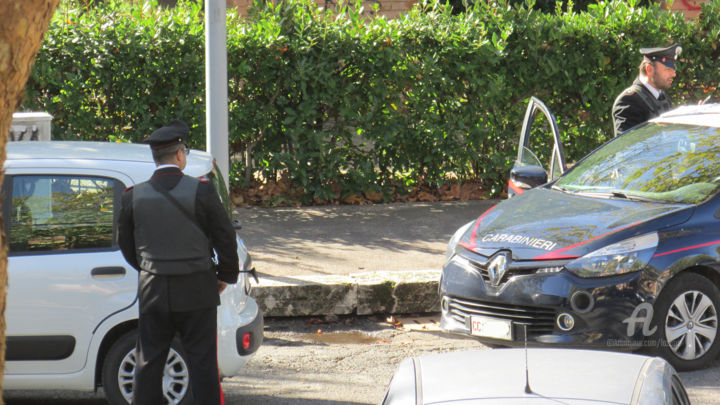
119, 370
686, 316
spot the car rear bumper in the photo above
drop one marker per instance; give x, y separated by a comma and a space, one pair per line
249, 338
607, 312
232, 353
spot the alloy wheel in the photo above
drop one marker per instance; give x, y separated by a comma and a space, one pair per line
176, 378
691, 325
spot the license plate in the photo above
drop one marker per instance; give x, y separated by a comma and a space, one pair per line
491, 327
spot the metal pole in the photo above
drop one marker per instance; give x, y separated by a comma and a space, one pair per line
216, 114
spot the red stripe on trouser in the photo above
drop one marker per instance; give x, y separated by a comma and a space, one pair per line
222, 394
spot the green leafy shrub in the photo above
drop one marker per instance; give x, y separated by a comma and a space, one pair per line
336, 103
119, 70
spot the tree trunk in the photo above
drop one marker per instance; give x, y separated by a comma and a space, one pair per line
22, 30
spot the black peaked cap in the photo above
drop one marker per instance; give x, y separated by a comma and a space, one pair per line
666, 56
172, 133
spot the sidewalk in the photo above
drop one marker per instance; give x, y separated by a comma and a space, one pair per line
383, 258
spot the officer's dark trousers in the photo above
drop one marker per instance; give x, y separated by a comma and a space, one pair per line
197, 330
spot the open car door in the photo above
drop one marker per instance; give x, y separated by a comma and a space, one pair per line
528, 170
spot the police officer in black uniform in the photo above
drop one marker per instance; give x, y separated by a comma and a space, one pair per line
167, 229
646, 98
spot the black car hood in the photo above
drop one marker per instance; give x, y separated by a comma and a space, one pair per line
548, 224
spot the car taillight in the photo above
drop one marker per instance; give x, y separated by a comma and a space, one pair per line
246, 340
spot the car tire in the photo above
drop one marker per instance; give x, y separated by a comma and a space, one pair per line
119, 368
686, 318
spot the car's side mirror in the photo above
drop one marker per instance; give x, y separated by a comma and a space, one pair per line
526, 177
237, 224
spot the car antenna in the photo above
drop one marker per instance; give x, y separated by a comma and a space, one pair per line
528, 390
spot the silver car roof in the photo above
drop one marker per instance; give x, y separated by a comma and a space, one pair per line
134, 160
569, 374
706, 115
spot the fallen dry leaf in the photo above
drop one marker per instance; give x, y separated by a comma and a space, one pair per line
424, 196
354, 199
374, 196
394, 322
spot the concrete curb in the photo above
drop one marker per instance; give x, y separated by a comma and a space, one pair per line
386, 292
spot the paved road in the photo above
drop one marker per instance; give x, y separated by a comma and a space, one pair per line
350, 362
345, 239
346, 364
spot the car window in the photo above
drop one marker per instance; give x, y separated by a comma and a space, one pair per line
671, 163
50, 213
540, 140
528, 158
217, 181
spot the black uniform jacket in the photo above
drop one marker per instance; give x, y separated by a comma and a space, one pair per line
635, 105
192, 291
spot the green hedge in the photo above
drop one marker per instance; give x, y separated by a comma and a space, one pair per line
341, 103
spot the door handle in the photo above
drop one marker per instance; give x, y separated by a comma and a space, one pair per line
110, 271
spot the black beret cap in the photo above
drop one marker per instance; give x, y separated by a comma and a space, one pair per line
666, 56
173, 133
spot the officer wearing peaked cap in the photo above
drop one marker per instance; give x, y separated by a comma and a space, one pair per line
173, 133
167, 230
646, 98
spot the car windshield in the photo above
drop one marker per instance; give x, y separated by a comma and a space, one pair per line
658, 162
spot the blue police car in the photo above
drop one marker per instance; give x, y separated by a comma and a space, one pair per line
620, 251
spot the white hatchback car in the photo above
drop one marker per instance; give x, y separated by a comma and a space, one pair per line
72, 305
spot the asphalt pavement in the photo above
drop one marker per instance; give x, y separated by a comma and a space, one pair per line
348, 239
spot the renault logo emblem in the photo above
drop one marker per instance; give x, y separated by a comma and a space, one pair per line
497, 268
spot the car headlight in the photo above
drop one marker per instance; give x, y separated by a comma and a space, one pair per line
623, 257
455, 239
